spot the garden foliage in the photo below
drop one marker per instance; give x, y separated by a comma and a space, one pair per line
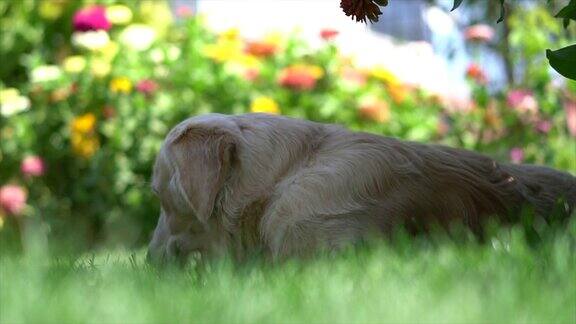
88, 92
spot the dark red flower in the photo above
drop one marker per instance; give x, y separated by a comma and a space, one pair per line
108, 112
147, 87
91, 18
328, 34
362, 9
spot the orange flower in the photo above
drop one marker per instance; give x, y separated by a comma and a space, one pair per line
300, 76
476, 73
398, 92
84, 124
374, 110
261, 48
84, 145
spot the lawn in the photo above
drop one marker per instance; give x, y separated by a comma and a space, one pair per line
409, 280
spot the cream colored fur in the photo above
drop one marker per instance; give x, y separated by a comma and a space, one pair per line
283, 186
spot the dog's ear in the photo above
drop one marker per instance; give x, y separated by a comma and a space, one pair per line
202, 159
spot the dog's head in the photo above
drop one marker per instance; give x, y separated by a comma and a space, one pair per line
189, 172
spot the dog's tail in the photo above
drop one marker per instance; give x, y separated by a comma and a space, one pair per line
548, 191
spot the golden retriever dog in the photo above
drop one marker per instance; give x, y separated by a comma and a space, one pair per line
287, 187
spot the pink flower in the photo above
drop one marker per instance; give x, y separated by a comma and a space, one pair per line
522, 100
91, 18
476, 73
516, 155
33, 166
184, 11
12, 199
543, 126
479, 33
570, 108
354, 76
251, 74
147, 87
328, 34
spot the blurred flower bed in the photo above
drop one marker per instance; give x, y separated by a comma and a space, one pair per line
88, 91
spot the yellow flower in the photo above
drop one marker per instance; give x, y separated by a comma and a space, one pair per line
51, 9
121, 84
274, 38
109, 51
83, 145
264, 105
230, 34
156, 14
314, 70
12, 102
384, 75
8, 94
100, 67
84, 124
74, 64
1, 220
223, 50
119, 14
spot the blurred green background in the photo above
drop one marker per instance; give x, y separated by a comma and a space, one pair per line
90, 88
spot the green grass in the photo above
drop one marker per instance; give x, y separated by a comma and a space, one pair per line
412, 280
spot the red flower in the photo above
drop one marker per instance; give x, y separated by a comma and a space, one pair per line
479, 33
475, 72
299, 77
328, 34
91, 18
12, 199
362, 9
147, 87
261, 49
32, 166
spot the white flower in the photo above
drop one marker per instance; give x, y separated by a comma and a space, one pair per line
11, 102
159, 55
138, 37
45, 73
119, 14
91, 40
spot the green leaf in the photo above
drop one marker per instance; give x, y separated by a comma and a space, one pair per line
457, 4
568, 13
502, 11
563, 61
